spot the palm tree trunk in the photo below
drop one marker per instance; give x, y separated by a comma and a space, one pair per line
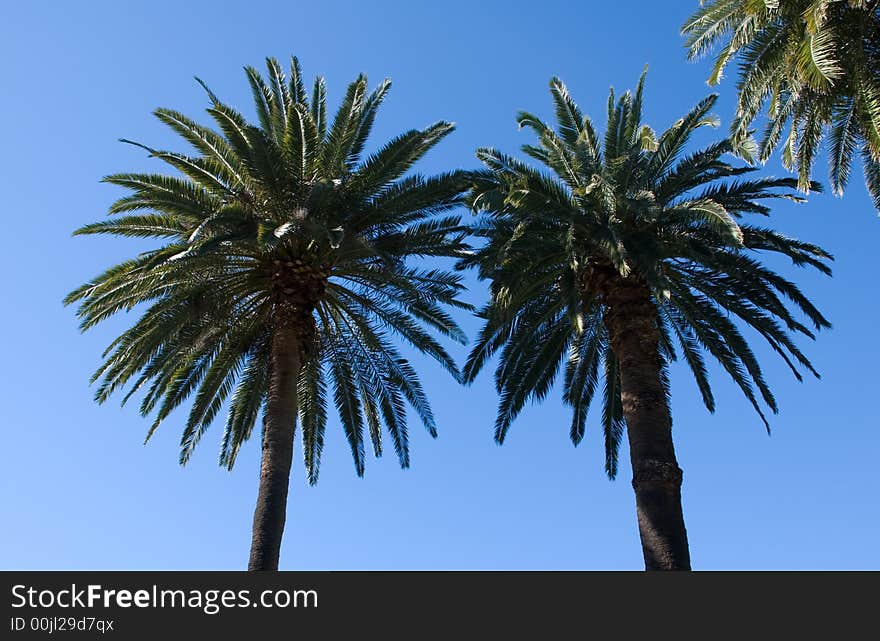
279, 426
631, 320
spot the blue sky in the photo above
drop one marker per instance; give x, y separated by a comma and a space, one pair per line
80, 491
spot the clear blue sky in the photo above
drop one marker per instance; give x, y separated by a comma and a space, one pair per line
80, 491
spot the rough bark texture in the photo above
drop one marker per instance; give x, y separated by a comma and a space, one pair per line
298, 287
279, 425
632, 326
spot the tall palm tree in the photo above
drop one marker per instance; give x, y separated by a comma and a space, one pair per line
606, 259
285, 273
815, 64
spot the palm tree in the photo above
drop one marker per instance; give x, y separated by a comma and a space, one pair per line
815, 64
285, 274
606, 261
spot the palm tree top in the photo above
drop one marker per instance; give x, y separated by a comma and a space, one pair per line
814, 64
286, 221
628, 213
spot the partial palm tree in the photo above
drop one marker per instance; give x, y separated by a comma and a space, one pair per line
285, 274
618, 250
815, 65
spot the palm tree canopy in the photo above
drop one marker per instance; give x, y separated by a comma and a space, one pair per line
815, 64
291, 203
627, 208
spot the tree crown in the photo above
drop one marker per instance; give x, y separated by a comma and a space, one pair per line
287, 209
815, 65
627, 209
